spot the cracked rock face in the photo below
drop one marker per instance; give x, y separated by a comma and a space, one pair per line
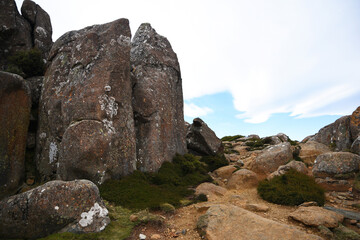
157, 99
15, 103
56, 206
86, 116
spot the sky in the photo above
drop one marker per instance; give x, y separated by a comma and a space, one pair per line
248, 67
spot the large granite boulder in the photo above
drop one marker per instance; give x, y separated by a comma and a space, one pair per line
241, 179
15, 103
336, 163
15, 32
157, 99
342, 133
86, 116
55, 206
310, 150
41, 26
202, 140
232, 222
210, 190
271, 158
296, 165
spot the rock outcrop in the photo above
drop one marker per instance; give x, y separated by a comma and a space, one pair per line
201, 140
157, 99
231, 222
15, 32
210, 190
342, 133
15, 103
271, 158
23, 32
55, 206
41, 26
86, 116
241, 179
298, 166
336, 163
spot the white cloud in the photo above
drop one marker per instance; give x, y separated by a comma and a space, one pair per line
192, 110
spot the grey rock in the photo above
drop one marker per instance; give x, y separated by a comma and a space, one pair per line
346, 213
157, 99
55, 206
202, 140
355, 146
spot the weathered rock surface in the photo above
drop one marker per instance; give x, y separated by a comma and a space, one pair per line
157, 99
311, 150
271, 158
202, 140
55, 206
283, 137
15, 103
355, 146
241, 179
334, 163
254, 207
41, 26
87, 92
298, 166
35, 84
272, 140
225, 172
346, 213
340, 134
15, 31
316, 216
211, 190
229, 222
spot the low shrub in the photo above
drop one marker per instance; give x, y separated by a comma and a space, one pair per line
214, 162
150, 190
231, 138
255, 144
27, 63
292, 188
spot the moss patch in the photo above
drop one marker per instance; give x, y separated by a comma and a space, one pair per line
292, 188
255, 144
231, 138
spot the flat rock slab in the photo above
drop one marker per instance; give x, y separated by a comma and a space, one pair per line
211, 190
242, 178
346, 213
228, 222
316, 216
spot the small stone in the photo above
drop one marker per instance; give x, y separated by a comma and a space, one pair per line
257, 207
309, 204
133, 217
142, 236
155, 236
30, 181
358, 225
353, 222
183, 232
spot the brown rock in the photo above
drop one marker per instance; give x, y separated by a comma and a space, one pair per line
157, 99
41, 26
330, 184
271, 158
316, 216
209, 189
155, 236
231, 222
67, 206
225, 172
15, 102
242, 178
257, 207
335, 163
87, 91
202, 140
310, 150
15, 32
298, 166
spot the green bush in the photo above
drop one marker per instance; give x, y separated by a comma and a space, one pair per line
255, 144
292, 188
150, 190
27, 63
231, 138
214, 162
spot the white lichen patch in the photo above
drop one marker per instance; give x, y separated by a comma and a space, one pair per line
109, 126
56, 208
108, 105
87, 218
41, 31
53, 152
78, 47
107, 88
42, 135
124, 40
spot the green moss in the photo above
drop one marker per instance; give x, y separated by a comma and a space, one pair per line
27, 63
292, 188
149, 190
231, 138
119, 228
167, 207
344, 233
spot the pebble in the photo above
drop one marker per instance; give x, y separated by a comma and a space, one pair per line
142, 236
155, 236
